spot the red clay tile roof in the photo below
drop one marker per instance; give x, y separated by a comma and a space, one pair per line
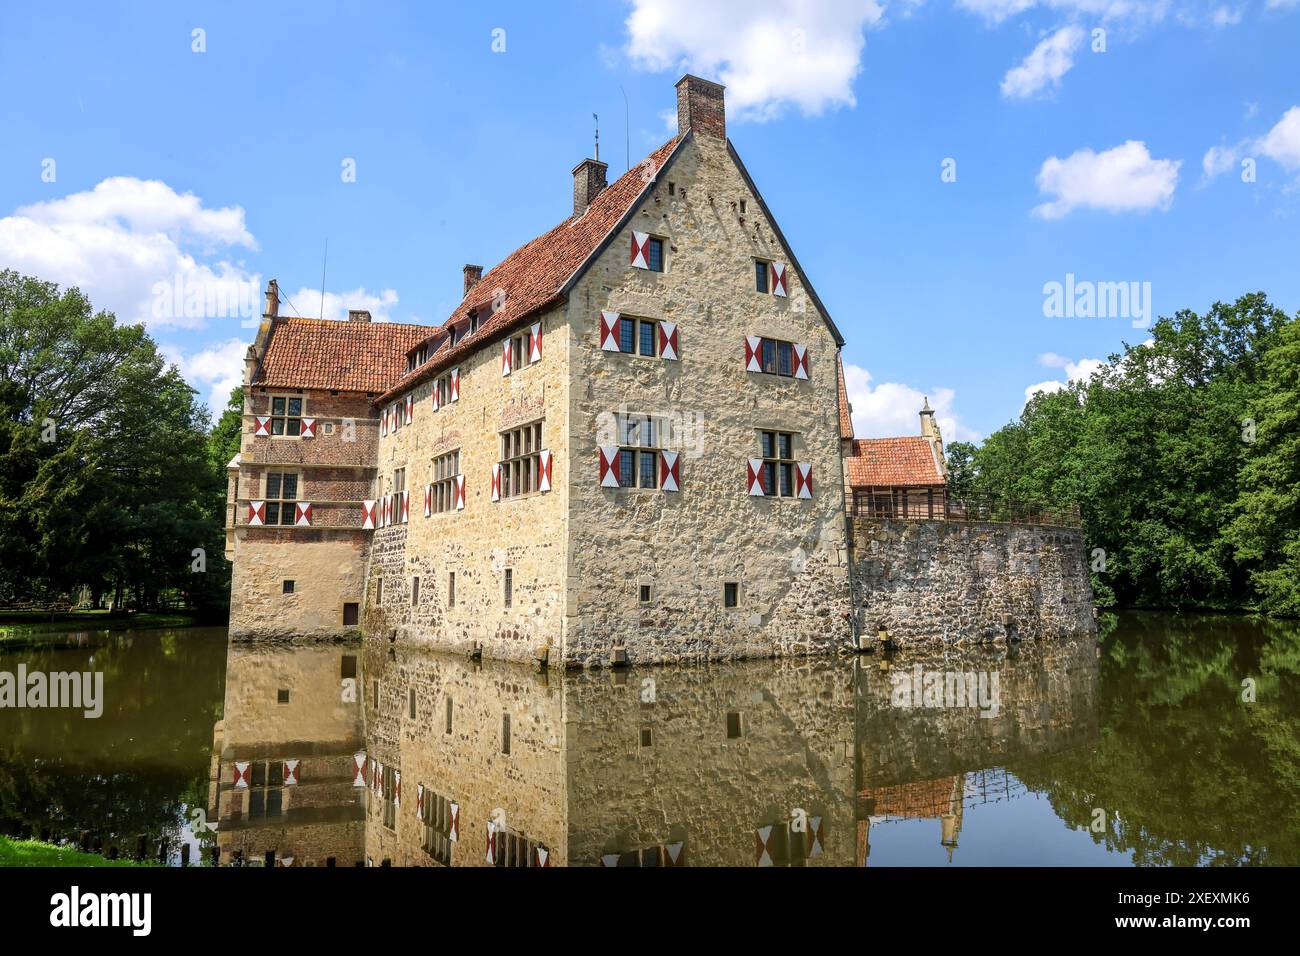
846, 413
347, 356
532, 277
878, 462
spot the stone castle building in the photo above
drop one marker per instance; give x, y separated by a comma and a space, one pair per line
627, 443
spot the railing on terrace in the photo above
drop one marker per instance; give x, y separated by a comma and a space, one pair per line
927, 505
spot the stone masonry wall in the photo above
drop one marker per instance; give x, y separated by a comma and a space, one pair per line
786, 554
525, 534
937, 582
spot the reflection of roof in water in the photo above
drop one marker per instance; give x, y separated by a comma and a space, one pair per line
934, 798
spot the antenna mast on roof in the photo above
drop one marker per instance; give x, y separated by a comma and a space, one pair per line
323, 263
597, 119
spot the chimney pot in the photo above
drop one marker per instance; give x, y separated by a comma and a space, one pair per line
358, 315
700, 107
588, 181
472, 275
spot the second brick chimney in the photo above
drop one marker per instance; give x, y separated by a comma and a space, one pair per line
588, 181
700, 107
472, 275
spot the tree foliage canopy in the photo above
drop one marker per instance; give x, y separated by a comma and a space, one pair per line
106, 477
1183, 454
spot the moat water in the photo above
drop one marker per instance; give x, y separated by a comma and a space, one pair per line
1171, 739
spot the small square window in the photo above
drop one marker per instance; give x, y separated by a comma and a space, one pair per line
351, 614
288, 587
731, 594
733, 724
645, 593
282, 695
348, 666
760, 275
647, 737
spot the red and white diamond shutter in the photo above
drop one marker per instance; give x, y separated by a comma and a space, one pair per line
763, 846
815, 837
544, 470
241, 774
302, 514
359, 769
397, 788
609, 331
428, 500
437, 387
756, 477
670, 473
541, 856
608, 466
308, 429
383, 423
453, 823
367, 516
257, 512
455, 385
801, 361
753, 351
290, 773
406, 507
491, 847
505, 358
668, 341
778, 283
460, 492
803, 479
640, 257
419, 800
535, 343
496, 482
263, 425
410, 408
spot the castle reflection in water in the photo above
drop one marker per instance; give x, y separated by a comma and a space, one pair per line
382, 755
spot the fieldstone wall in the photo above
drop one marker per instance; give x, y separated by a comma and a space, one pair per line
786, 555
938, 582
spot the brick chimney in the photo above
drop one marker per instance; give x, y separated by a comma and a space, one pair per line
700, 107
358, 315
588, 181
472, 275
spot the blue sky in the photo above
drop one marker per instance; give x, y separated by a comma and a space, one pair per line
133, 163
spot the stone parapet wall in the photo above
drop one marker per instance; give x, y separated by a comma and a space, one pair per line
937, 582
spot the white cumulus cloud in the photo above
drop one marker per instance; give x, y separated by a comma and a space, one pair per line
890, 409
214, 370
1074, 371
770, 54
1050, 60
1123, 179
137, 248
1280, 144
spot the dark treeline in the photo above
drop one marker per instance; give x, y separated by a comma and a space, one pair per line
1183, 455
110, 480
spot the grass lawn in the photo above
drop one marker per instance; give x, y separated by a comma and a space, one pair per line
29, 623
36, 853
